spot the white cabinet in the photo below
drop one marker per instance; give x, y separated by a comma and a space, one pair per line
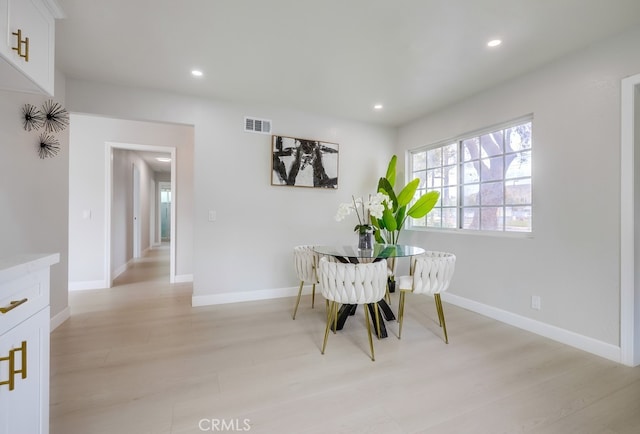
24, 344
27, 45
24, 393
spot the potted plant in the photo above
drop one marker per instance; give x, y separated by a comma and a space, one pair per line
387, 228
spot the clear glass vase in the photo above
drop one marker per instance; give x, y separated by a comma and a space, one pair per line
365, 240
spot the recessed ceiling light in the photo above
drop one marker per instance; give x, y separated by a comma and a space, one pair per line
163, 159
378, 106
494, 43
196, 73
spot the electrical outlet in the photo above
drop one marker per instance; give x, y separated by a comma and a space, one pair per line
535, 302
212, 216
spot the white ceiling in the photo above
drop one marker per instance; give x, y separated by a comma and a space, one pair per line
335, 57
155, 165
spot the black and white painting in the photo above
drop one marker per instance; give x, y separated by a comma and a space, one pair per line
304, 163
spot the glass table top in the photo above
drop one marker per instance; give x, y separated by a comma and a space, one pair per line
379, 251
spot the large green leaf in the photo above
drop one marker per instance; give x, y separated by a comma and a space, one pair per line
424, 204
406, 195
375, 222
389, 220
391, 171
400, 216
385, 187
379, 223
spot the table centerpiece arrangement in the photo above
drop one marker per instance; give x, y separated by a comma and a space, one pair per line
366, 211
382, 216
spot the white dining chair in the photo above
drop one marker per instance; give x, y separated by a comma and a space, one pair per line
305, 261
362, 283
430, 274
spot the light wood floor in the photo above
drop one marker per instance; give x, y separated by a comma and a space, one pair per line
138, 358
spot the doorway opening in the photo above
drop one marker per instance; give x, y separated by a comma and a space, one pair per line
165, 211
137, 231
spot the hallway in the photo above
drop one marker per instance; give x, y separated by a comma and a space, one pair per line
146, 279
153, 267
97, 376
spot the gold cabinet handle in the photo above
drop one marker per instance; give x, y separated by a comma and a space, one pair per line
11, 382
23, 364
18, 46
12, 305
20, 43
26, 49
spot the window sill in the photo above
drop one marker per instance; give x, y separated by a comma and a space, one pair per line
465, 232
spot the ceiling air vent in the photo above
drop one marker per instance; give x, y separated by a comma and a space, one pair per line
254, 125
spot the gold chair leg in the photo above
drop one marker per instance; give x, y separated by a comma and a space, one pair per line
326, 330
295, 309
377, 314
366, 315
327, 308
443, 324
313, 295
329, 314
401, 312
436, 298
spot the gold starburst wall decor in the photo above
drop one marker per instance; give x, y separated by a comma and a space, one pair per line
32, 118
49, 146
56, 117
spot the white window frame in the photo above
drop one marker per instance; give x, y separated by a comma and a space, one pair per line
459, 183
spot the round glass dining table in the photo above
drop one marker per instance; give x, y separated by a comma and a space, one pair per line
352, 254
380, 251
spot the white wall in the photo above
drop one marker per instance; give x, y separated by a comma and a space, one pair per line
572, 259
122, 231
257, 224
33, 192
89, 136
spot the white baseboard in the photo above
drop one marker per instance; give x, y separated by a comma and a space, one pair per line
60, 318
236, 297
99, 284
121, 269
89, 284
584, 343
182, 278
590, 345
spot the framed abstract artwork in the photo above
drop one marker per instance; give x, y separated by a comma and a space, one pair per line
303, 162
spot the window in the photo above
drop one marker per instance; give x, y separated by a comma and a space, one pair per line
484, 180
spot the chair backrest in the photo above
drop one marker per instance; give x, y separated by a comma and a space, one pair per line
305, 261
353, 283
432, 272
